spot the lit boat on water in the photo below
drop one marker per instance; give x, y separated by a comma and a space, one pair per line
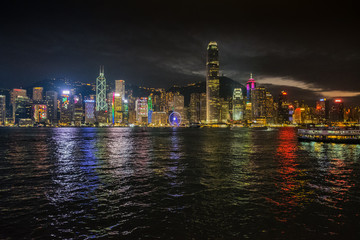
334, 135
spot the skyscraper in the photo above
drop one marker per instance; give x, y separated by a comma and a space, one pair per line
101, 91
120, 88
238, 106
258, 103
2, 109
14, 94
283, 108
52, 103
212, 83
37, 93
250, 86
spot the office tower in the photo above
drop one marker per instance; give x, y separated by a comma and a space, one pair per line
258, 104
2, 110
52, 106
250, 86
212, 83
141, 109
150, 107
224, 115
159, 118
22, 108
101, 91
337, 111
40, 114
120, 88
322, 110
13, 95
90, 110
269, 108
283, 108
194, 107
37, 93
179, 105
65, 109
238, 106
117, 110
77, 110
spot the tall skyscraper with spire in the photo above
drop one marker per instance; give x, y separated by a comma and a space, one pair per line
250, 85
212, 84
101, 91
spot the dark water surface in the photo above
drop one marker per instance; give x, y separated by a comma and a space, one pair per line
123, 183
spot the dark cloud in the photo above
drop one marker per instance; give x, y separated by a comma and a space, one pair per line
160, 43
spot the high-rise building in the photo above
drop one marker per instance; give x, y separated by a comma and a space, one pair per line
37, 93
238, 106
22, 109
52, 106
40, 113
283, 108
77, 110
2, 109
337, 111
269, 108
212, 84
15, 93
258, 103
90, 110
101, 91
120, 88
250, 86
141, 108
65, 109
179, 105
322, 110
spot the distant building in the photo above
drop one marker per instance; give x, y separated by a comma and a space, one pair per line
141, 109
283, 108
322, 110
179, 105
101, 91
40, 113
238, 106
269, 108
22, 108
250, 86
258, 103
52, 106
90, 111
120, 88
159, 118
14, 94
337, 111
78, 111
65, 109
2, 110
37, 93
224, 110
212, 84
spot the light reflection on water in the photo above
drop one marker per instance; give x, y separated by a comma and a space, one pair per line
176, 183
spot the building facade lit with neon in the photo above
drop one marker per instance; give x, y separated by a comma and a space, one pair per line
212, 84
250, 86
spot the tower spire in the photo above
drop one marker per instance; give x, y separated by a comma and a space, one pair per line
251, 76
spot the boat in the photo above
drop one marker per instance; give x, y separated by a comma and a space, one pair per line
332, 135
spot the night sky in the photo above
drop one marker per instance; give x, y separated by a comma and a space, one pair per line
309, 49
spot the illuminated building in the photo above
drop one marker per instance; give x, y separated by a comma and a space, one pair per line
52, 106
117, 110
90, 111
77, 110
40, 113
22, 109
322, 110
238, 106
2, 110
283, 108
258, 103
159, 118
37, 93
179, 105
65, 109
150, 108
269, 108
197, 107
15, 93
101, 91
120, 88
141, 109
248, 110
212, 83
337, 111
250, 86
224, 110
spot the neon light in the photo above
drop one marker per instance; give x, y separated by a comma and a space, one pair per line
338, 100
66, 92
284, 93
117, 94
321, 100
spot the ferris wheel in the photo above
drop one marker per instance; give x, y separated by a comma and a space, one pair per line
175, 119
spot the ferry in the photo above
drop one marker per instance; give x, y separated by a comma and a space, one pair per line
333, 135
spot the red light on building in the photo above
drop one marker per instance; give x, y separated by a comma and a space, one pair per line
338, 100
284, 93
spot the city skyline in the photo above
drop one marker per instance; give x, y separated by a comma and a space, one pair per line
304, 48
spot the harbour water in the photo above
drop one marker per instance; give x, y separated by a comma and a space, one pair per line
176, 183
